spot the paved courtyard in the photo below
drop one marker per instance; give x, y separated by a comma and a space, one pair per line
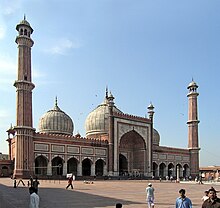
130, 193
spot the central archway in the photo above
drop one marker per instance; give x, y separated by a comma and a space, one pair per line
133, 146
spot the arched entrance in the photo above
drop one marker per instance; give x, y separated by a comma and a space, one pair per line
99, 167
171, 170
179, 171
162, 170
123, 165
133, 146
5, 171
72, 166
86, 167
155, 170
40, 165
186, 171
57, 166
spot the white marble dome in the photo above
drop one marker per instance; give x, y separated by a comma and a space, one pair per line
156, 138
56, 121
97, 122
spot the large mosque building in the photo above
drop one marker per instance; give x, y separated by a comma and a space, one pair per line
115, 143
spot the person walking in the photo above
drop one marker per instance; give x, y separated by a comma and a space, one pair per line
34, 198
183, 201
213, 201
35, 185
70, 182
150, 195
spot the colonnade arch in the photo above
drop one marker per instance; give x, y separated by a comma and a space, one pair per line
72, 164
186, 171
162, 170
155, 170
57, 166
99, 167
5, 171
170, 169
41, 165
86, 167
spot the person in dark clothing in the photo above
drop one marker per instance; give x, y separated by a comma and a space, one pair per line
213, 201
35, 185
70, 182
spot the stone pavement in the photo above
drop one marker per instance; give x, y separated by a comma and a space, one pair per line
130, 193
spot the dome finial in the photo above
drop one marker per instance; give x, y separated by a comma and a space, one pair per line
56, 101
24, 17
56, 106
106, 91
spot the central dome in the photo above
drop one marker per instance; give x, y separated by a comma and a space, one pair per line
56, 121
97, 122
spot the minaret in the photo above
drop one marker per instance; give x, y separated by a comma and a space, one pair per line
150, 141
111, 134
24, 86
193, 142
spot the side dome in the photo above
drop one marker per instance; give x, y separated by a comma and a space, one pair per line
56, 121
156, 138
97, 122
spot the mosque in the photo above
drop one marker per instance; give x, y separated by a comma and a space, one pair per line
115, 144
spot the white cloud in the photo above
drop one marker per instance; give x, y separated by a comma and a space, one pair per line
63, 45
8, 66
4, 114
2, 31
10, 7
37, 74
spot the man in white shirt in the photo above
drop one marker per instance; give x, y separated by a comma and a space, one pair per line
34, 198
150, 196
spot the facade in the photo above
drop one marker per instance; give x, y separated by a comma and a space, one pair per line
210, 173
116, 144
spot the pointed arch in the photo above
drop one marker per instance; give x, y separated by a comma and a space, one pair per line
57, 166
133, 145
72, 164
86, 167
170, 169
155, 170
41, 165
5, 171
99, 167
180, 168
162, 170
186, 171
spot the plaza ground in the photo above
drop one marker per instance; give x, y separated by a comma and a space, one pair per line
131, 193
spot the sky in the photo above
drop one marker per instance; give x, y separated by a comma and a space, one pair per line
144, 51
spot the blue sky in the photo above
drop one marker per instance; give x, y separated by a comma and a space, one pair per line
145, 51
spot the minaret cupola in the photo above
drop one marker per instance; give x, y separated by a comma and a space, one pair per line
24, 28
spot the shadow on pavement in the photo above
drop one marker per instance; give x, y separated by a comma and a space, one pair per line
55, 198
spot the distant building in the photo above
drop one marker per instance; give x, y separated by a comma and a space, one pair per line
5, 165
116, 144
210, 173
